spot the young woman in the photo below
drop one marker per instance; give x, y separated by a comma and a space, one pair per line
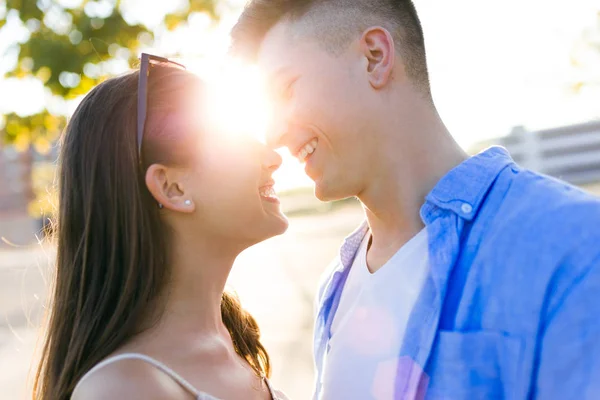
154, 208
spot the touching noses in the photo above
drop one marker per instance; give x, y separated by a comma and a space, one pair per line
271, 160
278, 130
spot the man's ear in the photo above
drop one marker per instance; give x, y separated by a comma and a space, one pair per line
377, 46
168, 189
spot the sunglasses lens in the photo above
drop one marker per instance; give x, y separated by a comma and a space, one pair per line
148, 61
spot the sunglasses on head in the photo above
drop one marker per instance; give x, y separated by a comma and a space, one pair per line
147, 61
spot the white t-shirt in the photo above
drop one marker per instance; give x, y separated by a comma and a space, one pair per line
368, 328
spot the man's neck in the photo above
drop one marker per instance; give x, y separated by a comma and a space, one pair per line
400, 183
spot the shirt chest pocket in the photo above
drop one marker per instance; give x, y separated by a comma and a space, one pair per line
474, 365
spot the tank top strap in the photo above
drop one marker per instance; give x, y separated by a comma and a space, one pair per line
271, 390
136, 356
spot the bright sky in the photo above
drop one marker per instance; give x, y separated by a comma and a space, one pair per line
493, 65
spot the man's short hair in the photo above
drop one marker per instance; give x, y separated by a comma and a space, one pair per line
334, 23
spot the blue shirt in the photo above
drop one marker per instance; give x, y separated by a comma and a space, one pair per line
511, 306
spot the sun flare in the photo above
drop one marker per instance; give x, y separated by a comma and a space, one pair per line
237, 103
239, 106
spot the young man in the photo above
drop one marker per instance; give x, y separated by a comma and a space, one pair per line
471, 278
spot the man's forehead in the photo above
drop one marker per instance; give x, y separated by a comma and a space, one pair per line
275, 48
285, 45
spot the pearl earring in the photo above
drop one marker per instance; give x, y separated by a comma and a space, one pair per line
187, 202
160, 206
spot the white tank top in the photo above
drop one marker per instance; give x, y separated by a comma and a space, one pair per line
174, 375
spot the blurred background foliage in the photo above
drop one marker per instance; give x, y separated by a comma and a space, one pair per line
585, 55
69, 49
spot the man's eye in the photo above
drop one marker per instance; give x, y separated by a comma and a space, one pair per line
288, 92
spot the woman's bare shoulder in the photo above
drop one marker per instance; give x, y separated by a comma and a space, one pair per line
128, 379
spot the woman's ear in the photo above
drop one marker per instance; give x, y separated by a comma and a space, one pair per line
167, 188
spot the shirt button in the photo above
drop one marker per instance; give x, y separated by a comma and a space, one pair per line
466, 208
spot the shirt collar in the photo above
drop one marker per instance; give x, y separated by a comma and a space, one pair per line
351, 245
463, 189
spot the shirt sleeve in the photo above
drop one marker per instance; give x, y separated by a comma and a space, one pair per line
569, 355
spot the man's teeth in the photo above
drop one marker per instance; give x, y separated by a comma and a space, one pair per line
308, 149
268, 192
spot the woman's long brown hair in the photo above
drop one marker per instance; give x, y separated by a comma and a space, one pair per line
112, 257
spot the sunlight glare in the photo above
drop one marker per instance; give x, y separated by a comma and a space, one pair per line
239, 107
237, 104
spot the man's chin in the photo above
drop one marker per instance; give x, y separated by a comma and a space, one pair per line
321, 196
327, 193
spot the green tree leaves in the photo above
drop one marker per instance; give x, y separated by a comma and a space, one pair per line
69, 49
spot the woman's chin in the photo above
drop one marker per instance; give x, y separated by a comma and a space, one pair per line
274, 225
278, 224
284, 224
275, 218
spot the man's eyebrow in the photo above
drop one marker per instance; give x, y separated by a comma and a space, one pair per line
276, 77
278, 72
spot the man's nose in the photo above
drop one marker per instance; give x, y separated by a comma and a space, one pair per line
275, 133
271, 160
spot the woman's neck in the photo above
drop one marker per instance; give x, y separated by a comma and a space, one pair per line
191, 298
